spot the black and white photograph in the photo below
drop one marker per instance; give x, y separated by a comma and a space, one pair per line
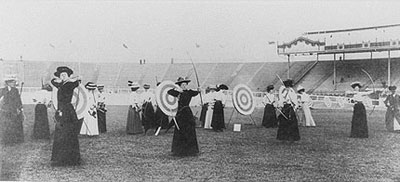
190, 90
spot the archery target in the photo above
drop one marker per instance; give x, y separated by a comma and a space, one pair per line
80, 101
243, 99
167, 103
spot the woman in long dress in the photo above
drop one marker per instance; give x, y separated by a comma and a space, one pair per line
218, 120
134, 123
203, 112
392, 117
11, 113
66, 144
210, 100
305, 102
101, 109
269, 117
288, 129
41, 129
359, 124
148, 113
184, 142
90, 125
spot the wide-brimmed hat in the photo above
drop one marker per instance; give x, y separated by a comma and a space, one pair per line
10, 77
90, 86
392, 88
354, 84
134, 86
300, 88
222, 87
63, 69
288, 83
270, 87
146, 86
182, 80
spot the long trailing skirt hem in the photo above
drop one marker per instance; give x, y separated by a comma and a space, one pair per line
66, 144
12, 131
359, 124
41, 129
288, 128
184, 142
148, 116
133, 123
218, 121
101, 119
269, 118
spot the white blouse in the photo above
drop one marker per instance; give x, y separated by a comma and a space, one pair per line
268, 99
287, 96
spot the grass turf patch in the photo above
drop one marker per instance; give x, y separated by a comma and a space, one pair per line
324, 153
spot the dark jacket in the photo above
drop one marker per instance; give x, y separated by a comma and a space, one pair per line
11, 100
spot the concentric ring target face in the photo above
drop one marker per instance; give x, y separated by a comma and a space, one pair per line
80, 101
167, 103
243, 99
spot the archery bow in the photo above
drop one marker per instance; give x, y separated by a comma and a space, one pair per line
197, 77
373, 87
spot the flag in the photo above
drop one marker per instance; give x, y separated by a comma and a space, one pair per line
271, 42
125, 46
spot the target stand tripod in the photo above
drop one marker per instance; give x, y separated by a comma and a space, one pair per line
237, 114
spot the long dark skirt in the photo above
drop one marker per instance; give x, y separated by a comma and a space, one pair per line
41, 128
11, 128
133, 123
288, 128
184, 142
203, 114
66, 144
359, 124
101, 120
218, 121
148, 117
161, 118
269, 118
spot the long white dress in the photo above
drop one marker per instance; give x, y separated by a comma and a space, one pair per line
209, 98
305, 102
90, 125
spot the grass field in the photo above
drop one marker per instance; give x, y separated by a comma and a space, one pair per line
324, 153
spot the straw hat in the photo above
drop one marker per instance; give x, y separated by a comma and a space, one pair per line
10, 77
134, 86
90, 86
146, 86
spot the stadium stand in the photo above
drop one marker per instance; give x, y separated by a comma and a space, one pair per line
316, 76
